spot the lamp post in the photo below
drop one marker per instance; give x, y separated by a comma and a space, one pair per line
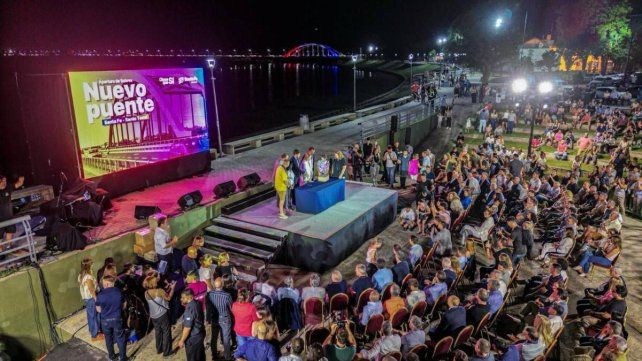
520, 86
211, 63
354, 82
410, 58
441, 42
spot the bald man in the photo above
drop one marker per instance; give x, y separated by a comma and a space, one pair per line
220, 319
257, 349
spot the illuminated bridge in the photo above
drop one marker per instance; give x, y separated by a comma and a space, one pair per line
312, 50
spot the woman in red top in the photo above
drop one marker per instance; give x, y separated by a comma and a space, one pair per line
244, 314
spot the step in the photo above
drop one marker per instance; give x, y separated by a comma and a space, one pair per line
235, 247
243, 237
248, 267
251, 228
248, 202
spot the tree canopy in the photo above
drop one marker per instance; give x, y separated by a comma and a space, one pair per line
614, 29
480, 43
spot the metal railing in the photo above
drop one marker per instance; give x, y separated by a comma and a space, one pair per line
379, 125
10, 248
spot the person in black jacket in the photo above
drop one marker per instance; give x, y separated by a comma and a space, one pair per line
295, 167
452, 321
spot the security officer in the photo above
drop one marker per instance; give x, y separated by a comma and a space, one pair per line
109, 303
193, 335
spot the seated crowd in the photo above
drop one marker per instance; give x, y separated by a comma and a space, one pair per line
450, 290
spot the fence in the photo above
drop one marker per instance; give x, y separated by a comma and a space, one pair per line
379, 125
13, 249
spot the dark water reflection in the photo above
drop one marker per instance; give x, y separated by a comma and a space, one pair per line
261, 96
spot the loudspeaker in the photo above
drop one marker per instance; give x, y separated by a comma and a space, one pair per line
143, 212
394, 123
248, 181
224, 189
190, 199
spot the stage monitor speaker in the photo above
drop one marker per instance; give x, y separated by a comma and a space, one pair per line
190, 199
394, 123
248, 181
143, 212
224, 189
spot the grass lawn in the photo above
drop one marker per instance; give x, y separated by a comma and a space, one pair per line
551, 161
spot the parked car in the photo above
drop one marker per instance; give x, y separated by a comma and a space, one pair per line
603, 81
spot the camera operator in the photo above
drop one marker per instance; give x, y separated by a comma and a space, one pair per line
340, 345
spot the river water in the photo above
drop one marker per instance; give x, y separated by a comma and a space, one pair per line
257, 97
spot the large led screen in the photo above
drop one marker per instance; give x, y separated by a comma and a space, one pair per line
131, 118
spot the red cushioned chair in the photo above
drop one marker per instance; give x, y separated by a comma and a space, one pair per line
313, 311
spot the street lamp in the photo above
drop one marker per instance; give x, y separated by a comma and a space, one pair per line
543, 88
354, 82
499, 22
371, 48
410, 58
441, 41
519, 85
211, 63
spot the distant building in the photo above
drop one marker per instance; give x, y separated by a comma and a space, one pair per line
535, 47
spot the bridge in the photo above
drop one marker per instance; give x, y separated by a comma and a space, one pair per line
312, 50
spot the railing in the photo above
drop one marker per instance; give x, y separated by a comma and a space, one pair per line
25, 241
379, 125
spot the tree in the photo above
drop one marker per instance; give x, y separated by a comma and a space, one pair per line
614, 30
482, 45
550, 60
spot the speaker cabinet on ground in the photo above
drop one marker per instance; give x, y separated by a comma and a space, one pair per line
224, 189
190, 199
248, 181
143, 212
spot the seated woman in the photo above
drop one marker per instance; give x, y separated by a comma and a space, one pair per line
603, 256
422, 217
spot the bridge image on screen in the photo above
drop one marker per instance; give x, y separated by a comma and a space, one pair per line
127, 119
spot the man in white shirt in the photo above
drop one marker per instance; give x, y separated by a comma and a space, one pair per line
480, 232
163, 244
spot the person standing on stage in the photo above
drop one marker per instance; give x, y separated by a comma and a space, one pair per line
193, 333
164, 245
339, 165
110, 303
295, 167
281, 186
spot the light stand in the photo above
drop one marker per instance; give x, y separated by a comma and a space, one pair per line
211, 63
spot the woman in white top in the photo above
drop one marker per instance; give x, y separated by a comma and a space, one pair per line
87, 284
307, 166
205, 271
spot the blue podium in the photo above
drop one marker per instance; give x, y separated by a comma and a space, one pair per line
316, 197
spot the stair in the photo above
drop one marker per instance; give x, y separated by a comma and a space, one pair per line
251, 247
254, 229
248, 202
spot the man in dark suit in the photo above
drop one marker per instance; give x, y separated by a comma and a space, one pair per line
478, 308
452, 321
295, 167
401, 267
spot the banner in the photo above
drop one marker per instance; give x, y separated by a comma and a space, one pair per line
131, 118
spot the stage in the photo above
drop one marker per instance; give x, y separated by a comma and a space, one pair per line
319, 242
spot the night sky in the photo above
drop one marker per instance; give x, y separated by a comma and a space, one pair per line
393, 25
